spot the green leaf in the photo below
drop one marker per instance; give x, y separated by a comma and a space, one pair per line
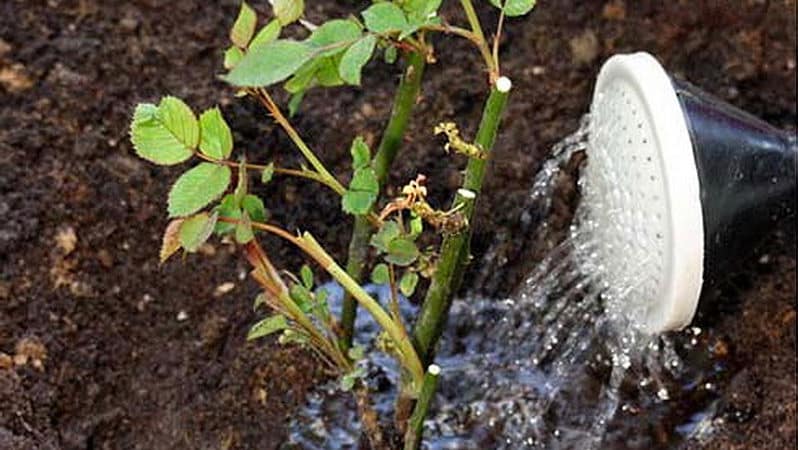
307, 276
388, 232
328, 75
269, 64
228, 208
355, 57
267, 173
216, 140
421, 9
294, 103
407, 285
356, 352
334, 36
197, 187
401, 252
253, 205
269, 33
232, 56
166, 134
362, 192
348, 381
514, 8
267, 326
380, 274
361, 155
416, 226
384, 17
302, 296
390, 54
303, 77
244, 26
288, 11
244, 231
260, 299
195, 230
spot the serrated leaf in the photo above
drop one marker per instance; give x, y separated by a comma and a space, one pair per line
388, 232
361, 155
380, 274
164, 137
254, 207
269, 33
334, 36
232, 56
514, 8
171, 240
197, 187
267, 173
244, 26
384, 17
362, 192
288, 11
306, 274
196, 229
269, 64
244, 231
407, 285
216, 140
229, 209
355, 57
401, 252
267, 326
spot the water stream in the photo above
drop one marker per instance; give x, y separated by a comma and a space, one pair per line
555, 365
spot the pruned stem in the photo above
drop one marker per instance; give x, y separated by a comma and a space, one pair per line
404, 101
415, 427
455, 248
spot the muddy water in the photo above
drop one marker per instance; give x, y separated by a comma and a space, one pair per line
556, 365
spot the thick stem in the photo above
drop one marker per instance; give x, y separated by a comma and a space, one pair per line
455, 248
406, 95
415, 427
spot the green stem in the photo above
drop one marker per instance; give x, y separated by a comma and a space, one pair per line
455, 247
405, 100
416, 425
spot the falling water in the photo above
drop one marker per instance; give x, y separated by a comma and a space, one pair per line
553, 366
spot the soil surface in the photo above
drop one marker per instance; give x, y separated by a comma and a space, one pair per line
103, 348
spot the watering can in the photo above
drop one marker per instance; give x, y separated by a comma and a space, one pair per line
681, 180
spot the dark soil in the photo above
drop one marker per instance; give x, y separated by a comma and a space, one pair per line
102, 348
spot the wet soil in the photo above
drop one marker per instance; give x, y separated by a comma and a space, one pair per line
103, 348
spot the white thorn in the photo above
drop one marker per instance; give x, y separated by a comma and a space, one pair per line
434, 369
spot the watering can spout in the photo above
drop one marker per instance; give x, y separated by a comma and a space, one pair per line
702, 181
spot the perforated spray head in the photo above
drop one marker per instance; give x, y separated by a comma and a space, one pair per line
674, 178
